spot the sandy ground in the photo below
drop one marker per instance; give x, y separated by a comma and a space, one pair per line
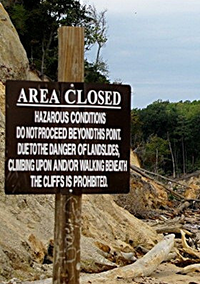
165, 274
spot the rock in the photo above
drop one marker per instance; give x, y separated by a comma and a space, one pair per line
37, 249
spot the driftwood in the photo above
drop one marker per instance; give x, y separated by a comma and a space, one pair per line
173, 229
142, 267
173, 226
189, 269
187, 248
182, 207
179, 256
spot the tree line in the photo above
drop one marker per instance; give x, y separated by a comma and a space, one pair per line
166, 136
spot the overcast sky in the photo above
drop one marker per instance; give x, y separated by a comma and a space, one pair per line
154, 46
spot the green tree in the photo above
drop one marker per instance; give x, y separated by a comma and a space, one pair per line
93, 74
155, 119
96, 37
37, 23
136, 129
156, 154
176, 123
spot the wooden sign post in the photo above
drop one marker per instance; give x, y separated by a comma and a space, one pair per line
75, 139
68, 206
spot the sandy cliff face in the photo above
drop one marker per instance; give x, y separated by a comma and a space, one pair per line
13, 59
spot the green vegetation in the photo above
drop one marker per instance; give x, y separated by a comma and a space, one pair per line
37, 22
167, 137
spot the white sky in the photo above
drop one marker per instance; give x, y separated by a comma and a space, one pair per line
154, 45
145, 6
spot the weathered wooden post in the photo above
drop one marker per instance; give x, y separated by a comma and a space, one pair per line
46, 154
68, 206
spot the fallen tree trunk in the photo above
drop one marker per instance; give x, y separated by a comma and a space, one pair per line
142, 267
133, 167
147, 174
143, 173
